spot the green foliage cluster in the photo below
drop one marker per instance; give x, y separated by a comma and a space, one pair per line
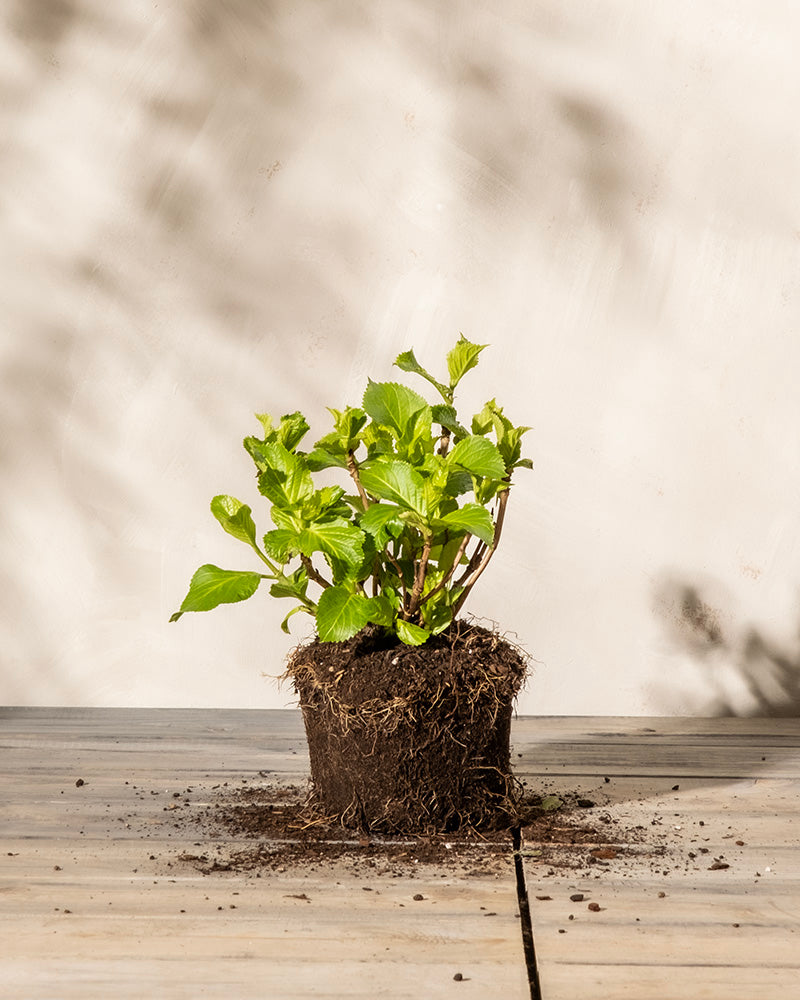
404, 549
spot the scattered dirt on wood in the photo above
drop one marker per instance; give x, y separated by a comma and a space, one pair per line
273, 828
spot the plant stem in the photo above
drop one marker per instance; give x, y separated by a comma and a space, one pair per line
450, 573
312, 573
393, 560
419, 578
474, 559
352, 468
502, 500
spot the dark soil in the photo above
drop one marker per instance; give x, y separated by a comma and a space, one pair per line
406, 739
287, 833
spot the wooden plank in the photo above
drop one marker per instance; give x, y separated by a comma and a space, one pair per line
107, 851
143, 923
676, 925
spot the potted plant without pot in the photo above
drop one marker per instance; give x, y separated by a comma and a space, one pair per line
407, 706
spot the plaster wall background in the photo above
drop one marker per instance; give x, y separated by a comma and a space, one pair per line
211, 209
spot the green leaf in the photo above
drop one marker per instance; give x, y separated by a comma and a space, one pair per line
472, 518
292, 429
294, 611
392, 405
286, 480
410, 634
281, 544
266, 422
326, 458
447, 417
382, 521
408, 363
438, 617
348, 423
294, 585
509, 437
479, 457
235, 517
337, 538
394, 480
212, 586
255, 449
329, 497
341, 614
377, 440
381, 611
462, 358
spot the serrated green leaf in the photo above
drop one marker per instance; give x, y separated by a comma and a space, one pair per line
291, 430
410, 634
462, 358
293, 585
392, 405
382, 521
348, 423
329, 496
381, 611
341, 614
447, 417
326, 502
254, 448
286, 480
265, 419
281, 544
326, 458
479, 457
472, 518
337, 538
509, 437
235, 517
285, 519
377, 441
396, 481
438, 617
212, 586
408, 363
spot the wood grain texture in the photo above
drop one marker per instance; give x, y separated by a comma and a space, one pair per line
94, 901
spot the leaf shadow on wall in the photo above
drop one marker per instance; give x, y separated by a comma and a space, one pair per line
743, 672
152, 268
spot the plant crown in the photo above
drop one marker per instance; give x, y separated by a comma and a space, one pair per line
400, 551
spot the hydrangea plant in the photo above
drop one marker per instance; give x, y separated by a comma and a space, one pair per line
404, 548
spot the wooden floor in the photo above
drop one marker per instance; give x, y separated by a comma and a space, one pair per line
94, 902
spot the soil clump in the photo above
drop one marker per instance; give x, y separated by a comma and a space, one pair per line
410, 739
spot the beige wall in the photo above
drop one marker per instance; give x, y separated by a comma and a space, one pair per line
209, 211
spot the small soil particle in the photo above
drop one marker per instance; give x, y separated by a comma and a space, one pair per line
595, 907
577, 897
417, 897
80, 783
